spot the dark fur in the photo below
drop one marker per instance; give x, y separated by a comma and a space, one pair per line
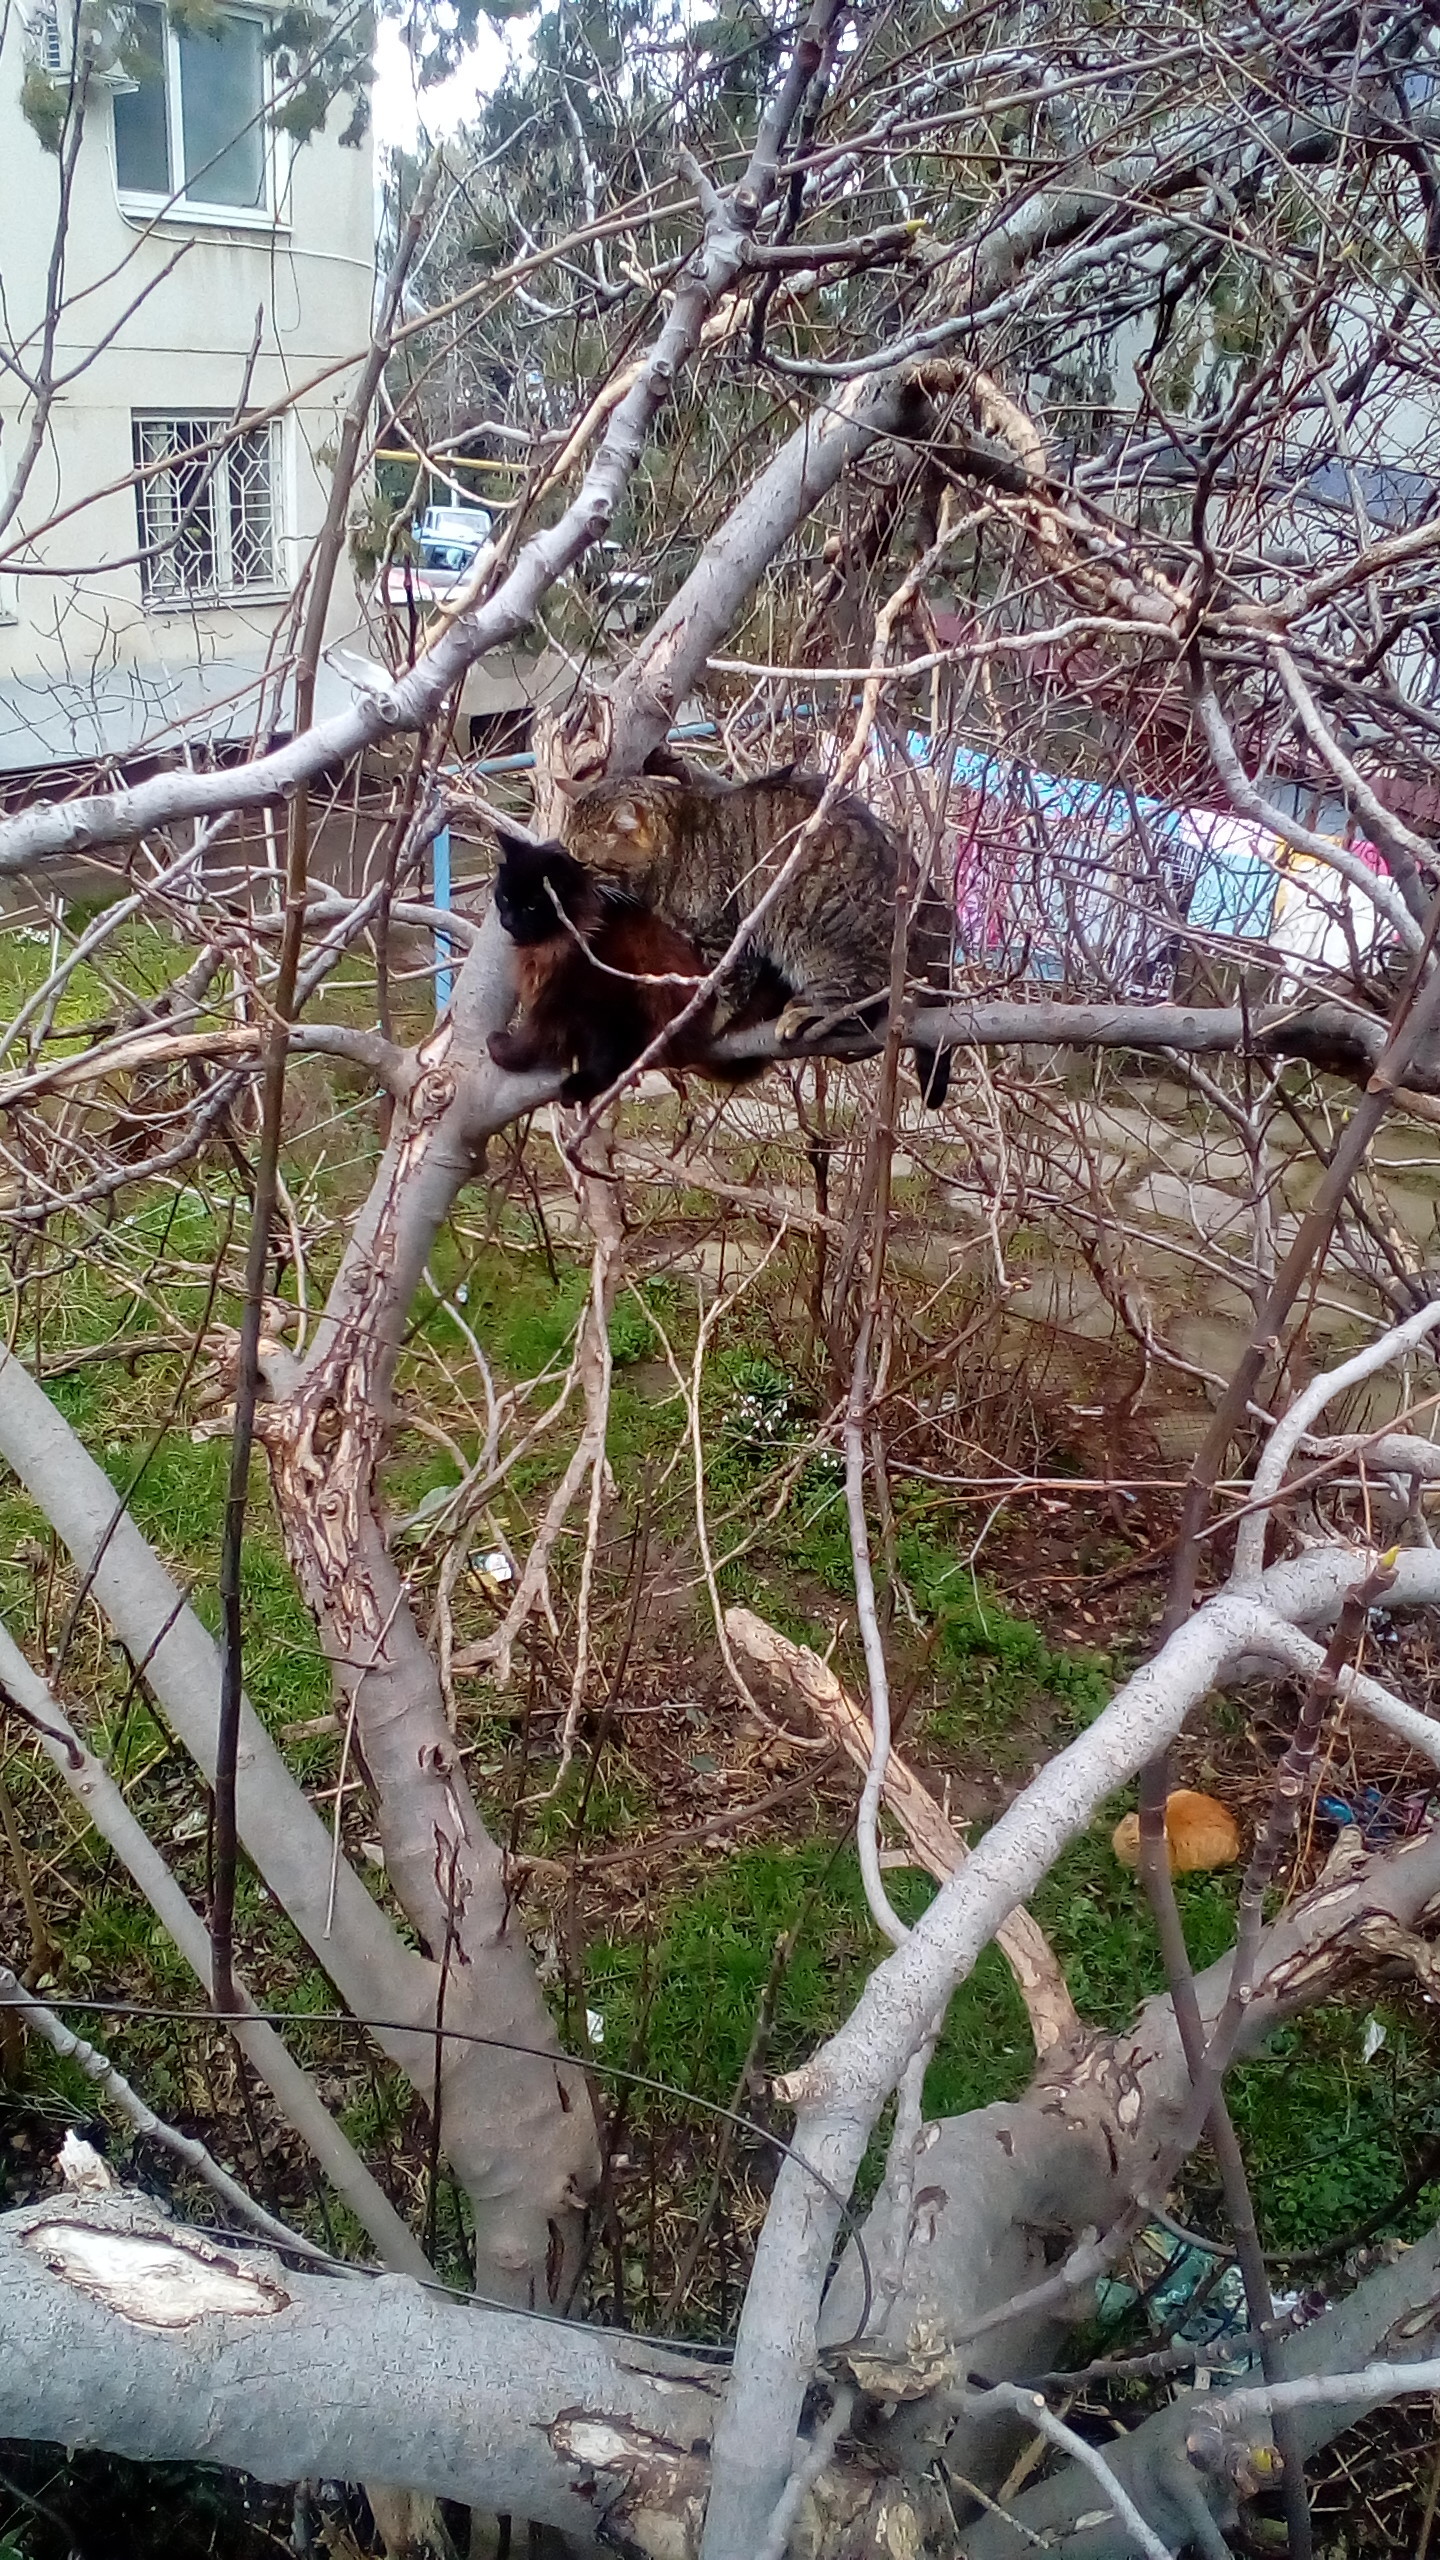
1332, 1038
570, 930
701, 853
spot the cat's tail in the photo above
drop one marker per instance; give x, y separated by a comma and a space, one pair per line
932, 1066
931, 936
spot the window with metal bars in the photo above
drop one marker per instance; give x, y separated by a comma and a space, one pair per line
207, 509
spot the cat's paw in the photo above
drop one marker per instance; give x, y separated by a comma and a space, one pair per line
804, 1018
798, 1020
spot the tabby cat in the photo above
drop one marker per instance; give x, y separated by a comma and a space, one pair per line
702, 852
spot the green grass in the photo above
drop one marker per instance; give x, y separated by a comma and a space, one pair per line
1330, 2137
178, 1504
1095, 1914
135, 961
997, 1672
1001, 1666
690, 1998
526, 1319
1327, 2136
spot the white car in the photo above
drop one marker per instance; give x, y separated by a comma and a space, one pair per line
447, 542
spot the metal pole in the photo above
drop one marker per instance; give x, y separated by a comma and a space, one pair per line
440, 876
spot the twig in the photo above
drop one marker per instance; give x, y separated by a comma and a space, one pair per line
103, 1803
746, 2080
1297, 1421
1032, 2405
277, 1050
882, 1911
1432, 2499
600, 1198
1375, 2382
42, 1946
806, 2472
1291, 1781
1416, 1015
590, 1367
992, 2507
1209, 2110
690, 1391
1291, 1645
897, 2194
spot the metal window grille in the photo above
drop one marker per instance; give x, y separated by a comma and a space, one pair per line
207, 517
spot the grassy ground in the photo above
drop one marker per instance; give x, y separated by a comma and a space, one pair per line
679, 1993
662, 1961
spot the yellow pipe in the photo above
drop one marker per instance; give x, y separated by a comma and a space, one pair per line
442, 470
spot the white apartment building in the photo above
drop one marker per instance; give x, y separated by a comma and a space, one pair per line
209, 273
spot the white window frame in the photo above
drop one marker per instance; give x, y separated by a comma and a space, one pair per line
273, 215
225, 595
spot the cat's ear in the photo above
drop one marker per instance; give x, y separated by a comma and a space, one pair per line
626, 818
567, 877
523, 849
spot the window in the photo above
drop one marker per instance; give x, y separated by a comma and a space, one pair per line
207, 518
192, 128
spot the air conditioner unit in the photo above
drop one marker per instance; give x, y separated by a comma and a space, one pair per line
53, 27
110, 77
47, 45
100, 38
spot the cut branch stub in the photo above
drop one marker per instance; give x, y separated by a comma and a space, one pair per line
938, 1847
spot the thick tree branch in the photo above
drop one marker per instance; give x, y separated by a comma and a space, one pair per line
839, 2094
121, 2330
1089, 2149
494, 2143
1182, 2458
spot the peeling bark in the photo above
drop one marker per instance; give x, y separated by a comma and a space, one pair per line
1002, 2194
938, 1847
120, 2329
840, 2093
